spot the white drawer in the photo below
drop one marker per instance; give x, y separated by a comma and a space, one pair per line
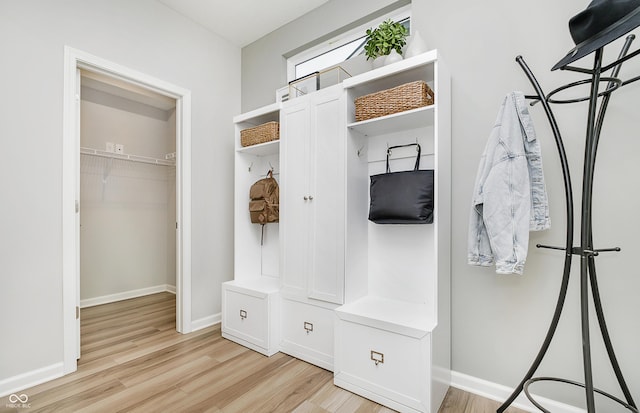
245, 316
390, 368
307, 333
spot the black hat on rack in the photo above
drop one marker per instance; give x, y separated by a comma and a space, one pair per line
602, 22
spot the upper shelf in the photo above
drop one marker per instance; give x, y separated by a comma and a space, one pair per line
261, 149
415, 68
407, 120
261, 115
269, 113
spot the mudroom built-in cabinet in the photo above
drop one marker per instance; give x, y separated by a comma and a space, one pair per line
313, 193
369, 302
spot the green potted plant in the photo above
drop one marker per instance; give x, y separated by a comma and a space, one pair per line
384, 39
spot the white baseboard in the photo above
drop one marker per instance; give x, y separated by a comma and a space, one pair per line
32, 378
501, 393
112, 298
206, 322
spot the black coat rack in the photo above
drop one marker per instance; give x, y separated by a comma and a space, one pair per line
586, 250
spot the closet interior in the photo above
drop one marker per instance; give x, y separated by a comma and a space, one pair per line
127, 191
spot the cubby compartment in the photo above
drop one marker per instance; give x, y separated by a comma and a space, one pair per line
390, 341
250, 302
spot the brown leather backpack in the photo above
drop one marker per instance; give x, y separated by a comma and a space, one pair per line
264, 206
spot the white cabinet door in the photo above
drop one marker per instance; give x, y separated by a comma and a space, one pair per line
312, 195
327, 187
391, 368
294, 193
250, 314
307, 333
245, 317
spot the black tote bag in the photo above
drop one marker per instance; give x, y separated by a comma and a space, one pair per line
402, 197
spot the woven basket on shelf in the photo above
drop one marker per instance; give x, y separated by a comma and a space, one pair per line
266, 132
398, 99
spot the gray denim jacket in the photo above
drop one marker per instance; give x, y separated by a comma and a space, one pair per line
509, 197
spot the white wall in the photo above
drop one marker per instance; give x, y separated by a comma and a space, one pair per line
127, 210
142, 35
499, 322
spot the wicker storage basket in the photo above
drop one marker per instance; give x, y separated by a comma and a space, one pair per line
266, 132
398, 99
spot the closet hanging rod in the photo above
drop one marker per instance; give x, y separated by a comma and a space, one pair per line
127, 157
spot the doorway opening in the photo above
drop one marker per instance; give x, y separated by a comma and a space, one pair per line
115, 77
127, 191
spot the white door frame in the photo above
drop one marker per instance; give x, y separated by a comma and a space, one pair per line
73, 60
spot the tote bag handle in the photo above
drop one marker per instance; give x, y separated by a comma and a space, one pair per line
417, 165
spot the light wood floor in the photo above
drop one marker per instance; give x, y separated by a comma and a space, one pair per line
133, 360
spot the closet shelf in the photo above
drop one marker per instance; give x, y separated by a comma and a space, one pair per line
127, 157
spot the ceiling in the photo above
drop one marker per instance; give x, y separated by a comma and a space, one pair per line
242, 21
227, 18
125, 90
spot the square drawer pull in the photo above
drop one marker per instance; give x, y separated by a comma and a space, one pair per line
243, 314
377, 357
308, 326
